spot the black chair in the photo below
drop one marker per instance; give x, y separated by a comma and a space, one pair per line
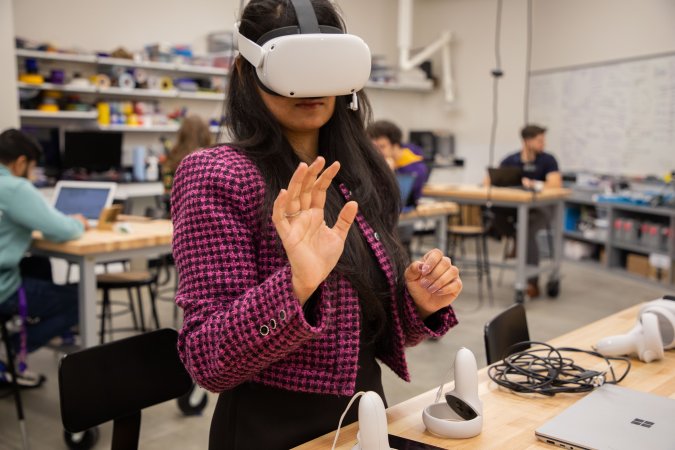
12, 373
115, 381
507, 328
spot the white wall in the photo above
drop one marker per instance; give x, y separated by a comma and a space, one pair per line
573, 32
98, 25
9, 109
565, 33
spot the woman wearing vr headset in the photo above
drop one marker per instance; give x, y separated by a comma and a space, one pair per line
292, 279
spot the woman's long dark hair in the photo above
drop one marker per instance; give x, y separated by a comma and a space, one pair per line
259, 136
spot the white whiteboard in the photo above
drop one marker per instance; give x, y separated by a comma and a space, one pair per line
612, 118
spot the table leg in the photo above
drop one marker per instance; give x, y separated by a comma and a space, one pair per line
442, 234
87, 302
557, 239
521, 250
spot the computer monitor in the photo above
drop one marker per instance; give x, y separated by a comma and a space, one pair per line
49, 140
93, 151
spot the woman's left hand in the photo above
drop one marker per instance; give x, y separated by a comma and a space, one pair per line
433, 282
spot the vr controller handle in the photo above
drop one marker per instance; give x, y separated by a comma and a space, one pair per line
623, 344
373, 434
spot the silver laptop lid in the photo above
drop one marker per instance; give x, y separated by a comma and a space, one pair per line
83, 197
616, 418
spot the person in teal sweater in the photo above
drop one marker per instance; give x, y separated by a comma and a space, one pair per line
51, 309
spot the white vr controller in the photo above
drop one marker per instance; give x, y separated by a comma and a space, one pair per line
653, 333
460, 416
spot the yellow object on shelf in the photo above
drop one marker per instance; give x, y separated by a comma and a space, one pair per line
166, 83
103, 113
48, 107
31, 78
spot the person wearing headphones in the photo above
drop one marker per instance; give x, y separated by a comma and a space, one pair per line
292, 281
48, 310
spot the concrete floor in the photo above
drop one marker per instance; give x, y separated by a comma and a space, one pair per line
587, 294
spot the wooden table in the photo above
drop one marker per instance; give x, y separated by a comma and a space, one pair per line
522, 201
438, 212
144, 238
510, 419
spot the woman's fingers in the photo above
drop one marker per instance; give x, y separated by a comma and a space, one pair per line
295, 188
279, 213
345, 219
448, 273
321, 185
309, 181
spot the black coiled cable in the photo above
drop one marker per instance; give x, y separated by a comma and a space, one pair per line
543, 370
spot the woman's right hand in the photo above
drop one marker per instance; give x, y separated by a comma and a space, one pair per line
313, 249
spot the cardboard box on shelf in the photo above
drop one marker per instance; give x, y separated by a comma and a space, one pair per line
637, 264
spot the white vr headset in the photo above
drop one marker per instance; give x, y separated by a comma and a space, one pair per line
308, 60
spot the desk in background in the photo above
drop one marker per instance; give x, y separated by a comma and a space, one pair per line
145, 238
522, 201
438, 212
510, 419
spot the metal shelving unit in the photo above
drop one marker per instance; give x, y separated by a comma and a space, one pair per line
616, 250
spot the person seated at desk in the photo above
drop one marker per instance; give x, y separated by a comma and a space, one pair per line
386, 137
51, 309
540, 171
287, 302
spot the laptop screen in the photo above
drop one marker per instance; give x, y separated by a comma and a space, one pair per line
406, 182
505, 176
88, 201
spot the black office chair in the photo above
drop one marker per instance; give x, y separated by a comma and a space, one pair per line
507, 328
12, 373
115, 381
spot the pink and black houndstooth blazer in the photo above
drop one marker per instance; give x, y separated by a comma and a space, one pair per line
242, 321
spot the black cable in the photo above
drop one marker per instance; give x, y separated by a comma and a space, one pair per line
528, 63
496, 74
488, 215
544, 370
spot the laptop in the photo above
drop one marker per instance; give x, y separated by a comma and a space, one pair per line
406, 181
506, 176
613, 417
83, 197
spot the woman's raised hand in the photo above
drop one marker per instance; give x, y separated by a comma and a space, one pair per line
313, 249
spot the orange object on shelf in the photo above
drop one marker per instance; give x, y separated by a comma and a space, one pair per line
31, 78
48, 107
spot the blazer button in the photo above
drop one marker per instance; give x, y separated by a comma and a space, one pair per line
273, 324
282, 315
264, 330
377, 236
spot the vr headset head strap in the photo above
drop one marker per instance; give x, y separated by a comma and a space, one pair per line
307, 20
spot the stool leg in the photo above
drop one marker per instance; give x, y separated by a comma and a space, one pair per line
486, 261
153, 305
104, 311
132, 308
140, 308
479, 269
15, 385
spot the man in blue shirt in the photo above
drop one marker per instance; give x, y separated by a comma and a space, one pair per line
540, 171
51, 309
